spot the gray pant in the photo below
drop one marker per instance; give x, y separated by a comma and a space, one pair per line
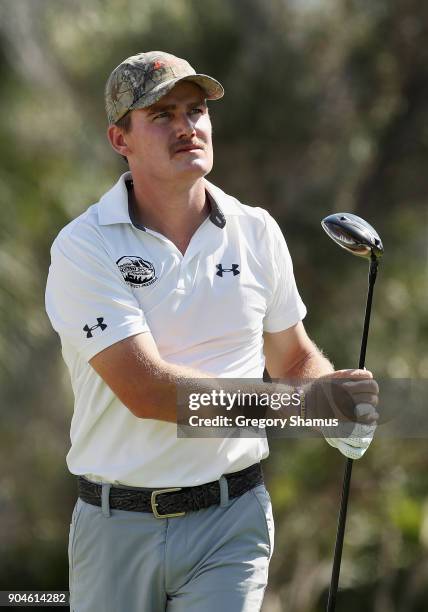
209, 560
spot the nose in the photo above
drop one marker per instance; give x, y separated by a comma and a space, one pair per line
185, 126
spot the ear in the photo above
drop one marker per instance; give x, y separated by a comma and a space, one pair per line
118, 139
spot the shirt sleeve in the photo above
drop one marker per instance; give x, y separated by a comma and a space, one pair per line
285, 307
87, 301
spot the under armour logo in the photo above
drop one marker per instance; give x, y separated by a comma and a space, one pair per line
234, 269
100, 324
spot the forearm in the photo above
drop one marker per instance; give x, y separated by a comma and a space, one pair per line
312, 365
152, 388
163, 384
171, 382
171, 385
291, 356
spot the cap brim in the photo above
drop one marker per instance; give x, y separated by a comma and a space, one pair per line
213, 90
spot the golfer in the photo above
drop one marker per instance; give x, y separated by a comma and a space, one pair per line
168, 279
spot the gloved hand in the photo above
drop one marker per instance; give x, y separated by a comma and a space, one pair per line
356, 445
350, 395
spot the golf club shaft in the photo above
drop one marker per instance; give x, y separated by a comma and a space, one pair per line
331, 604
372, 280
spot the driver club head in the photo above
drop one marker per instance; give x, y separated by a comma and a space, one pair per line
353, 234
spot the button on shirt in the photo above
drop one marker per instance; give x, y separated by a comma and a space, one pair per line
207, 309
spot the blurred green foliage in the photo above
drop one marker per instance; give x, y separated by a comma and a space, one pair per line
326, 109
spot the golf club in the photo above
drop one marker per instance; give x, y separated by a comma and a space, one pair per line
359, 238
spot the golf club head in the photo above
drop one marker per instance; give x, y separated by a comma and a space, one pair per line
353, 234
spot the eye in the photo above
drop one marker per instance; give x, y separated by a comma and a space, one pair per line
162, 115
197, 110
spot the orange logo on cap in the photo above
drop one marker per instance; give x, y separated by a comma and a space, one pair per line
158, 64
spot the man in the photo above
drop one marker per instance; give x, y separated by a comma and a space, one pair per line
168, 281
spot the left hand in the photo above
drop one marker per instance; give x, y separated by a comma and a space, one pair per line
355, 445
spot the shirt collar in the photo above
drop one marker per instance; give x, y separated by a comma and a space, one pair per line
113, 207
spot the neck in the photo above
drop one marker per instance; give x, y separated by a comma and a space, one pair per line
174, 210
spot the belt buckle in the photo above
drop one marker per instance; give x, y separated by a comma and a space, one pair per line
154, 503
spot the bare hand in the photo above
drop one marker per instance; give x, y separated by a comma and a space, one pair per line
341, 392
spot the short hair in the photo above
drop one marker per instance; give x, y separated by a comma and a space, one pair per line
125, 124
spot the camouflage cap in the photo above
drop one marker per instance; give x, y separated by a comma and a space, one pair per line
142, 79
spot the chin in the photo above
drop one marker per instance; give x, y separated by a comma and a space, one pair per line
197, 169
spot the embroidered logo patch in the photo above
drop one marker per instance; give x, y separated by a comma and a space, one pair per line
136, 271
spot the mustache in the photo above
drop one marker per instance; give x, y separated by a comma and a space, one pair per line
187, 143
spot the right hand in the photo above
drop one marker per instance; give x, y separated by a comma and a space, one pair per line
351, 395
337, 395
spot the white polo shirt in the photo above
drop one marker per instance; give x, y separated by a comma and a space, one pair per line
207, 309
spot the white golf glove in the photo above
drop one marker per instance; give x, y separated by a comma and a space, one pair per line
355, 445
